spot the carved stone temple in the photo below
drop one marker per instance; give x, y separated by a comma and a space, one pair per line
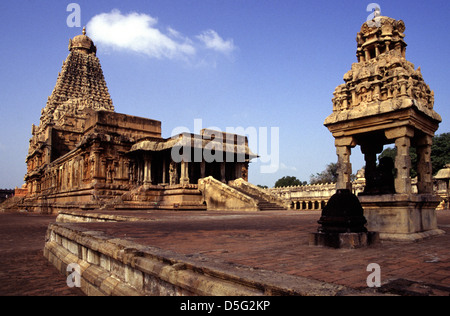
84, 155
385, 100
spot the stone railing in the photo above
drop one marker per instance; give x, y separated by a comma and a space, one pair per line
219, 196
261, 193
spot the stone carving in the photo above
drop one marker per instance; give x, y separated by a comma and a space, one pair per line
382, 80
84, 153
385, 100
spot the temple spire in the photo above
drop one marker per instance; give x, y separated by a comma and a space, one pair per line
80, 84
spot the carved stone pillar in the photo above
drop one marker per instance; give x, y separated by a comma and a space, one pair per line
147, 170
377, 49
403, 165
96, 163
370, 152
184, 173
344, 167
402, 136
344, 147
424, 168
366, 54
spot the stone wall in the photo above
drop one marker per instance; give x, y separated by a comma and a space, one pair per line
116, 267
312, 197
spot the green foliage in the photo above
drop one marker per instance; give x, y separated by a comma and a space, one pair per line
329, 175
440, 154
440, 151
288, 182
392, 153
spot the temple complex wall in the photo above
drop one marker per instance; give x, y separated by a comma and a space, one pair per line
315, 197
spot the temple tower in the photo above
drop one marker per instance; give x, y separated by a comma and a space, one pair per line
77, 152
385, 100
80, 86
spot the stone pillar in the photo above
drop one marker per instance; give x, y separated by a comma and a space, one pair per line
343, 151
202, 169
239, 166
403, 165
184, 173
367, 54
147, 170
344, 167
223, 172
370, 152
164, 172
377, 50
402, 136
424, 168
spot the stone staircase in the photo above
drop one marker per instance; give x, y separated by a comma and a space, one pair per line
263, 204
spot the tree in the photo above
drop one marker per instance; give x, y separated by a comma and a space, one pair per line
288, 182
329, 175
440, 154
392, 153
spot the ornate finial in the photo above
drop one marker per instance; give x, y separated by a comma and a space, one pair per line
84, 30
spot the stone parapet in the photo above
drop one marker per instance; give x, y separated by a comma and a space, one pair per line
263, 194
112, 266
219, 196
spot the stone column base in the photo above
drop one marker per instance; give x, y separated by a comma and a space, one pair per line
401, 217
412, 237
343, 240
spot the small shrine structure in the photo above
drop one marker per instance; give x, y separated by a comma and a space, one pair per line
383, 101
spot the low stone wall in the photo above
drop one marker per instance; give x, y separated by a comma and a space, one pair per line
88, 217
312, 197
112, 266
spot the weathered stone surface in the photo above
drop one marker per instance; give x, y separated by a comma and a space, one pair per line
385, 100
85, 155
139, 270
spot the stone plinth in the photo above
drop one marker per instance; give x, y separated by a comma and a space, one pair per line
402, 217
342, 224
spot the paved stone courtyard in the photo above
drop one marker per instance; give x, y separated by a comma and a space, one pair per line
23, 269
273, 241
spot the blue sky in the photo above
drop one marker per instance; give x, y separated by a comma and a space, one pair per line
245, 63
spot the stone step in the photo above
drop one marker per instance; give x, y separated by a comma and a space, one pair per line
263, 204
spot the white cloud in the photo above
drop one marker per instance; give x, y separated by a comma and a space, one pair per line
213, 41
283, 166
138, 32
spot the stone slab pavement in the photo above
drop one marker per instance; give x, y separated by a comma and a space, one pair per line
273, 241
279, 241
23, 269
